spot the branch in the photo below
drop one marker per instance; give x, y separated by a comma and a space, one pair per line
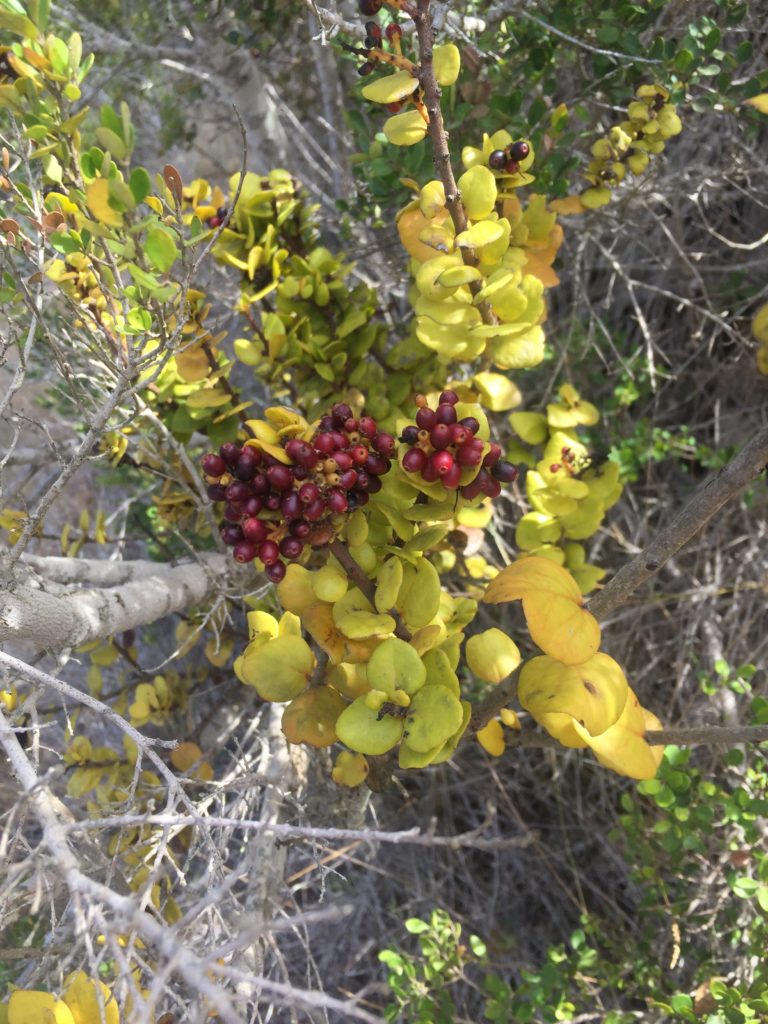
726, 484
439, 137
54, 621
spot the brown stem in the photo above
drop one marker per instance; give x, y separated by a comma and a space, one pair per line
493, 702
340, 552
439, 138
724, 485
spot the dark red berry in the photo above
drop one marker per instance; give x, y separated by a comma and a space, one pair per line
471, 424
446, 413
244, 551
324, 443
326, 423
315, 511
268, 552
300, 473
260, 484
363, 480
393, 31
233, 512
237, 491
497, 160
442, 462
359, 454
350, 426
366, 69
369, 7
440, 435
339, 440
216, 492
272, 501
348, 479
275, 573
488, 486
214, 465
230, 452
230, 534
252, 506
280, 477
505, 472
291, 505
367, 426
374, 484
360, 498
410, 435
300, 528
343, 460
291, 547
376, 465
470, 490
426, 418
512, 167
373, 29
469, 455
337, 501
459, 435
214, 221
452, 478
415, 460
384, 444
493, 456
429, 474
394, 107
245, 467
519, 150
308, 493
449, 398
254, 530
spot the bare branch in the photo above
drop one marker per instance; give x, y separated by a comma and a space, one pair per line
726, 484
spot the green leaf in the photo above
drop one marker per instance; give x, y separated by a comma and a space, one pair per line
140, 184
416, 926
161, 249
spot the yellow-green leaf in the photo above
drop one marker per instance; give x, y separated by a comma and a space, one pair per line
405, 129
391, 88
593, 694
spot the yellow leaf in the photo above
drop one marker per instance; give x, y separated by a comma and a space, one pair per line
567, 207
97, 197
311, 717
498, 392
532, 575
90, 1000
405, 129
593, 694
623, 748
561, 628
447, 63
760, 324
491, 738
478, 191
39, 1008
350, 769
391, 88
759, 102
492, 655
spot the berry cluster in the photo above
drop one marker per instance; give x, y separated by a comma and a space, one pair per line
272, 509
508, 160
218, 218
444, 446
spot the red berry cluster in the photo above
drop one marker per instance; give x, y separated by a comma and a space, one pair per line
509, 159
443, 446
272, 510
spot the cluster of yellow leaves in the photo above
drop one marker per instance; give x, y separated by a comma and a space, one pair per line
580, 696
410, 126
84, 1000
569, 496
628, 146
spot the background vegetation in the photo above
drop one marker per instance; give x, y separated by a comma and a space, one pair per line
536, 886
